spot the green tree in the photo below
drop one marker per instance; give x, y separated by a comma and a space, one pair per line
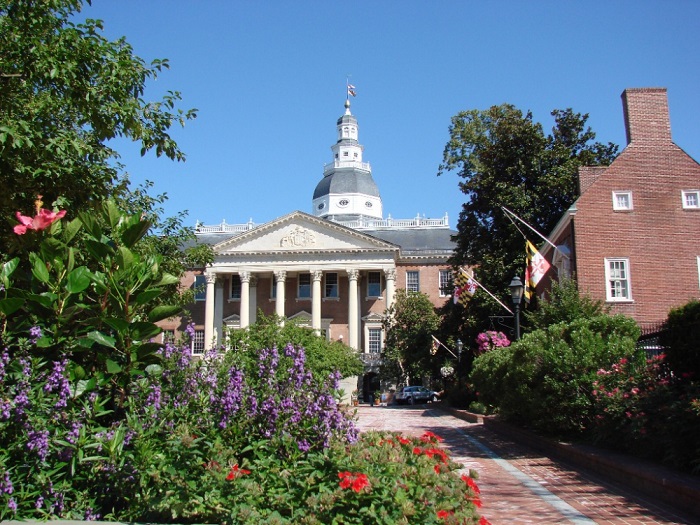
65, 92
408, 325
505, 159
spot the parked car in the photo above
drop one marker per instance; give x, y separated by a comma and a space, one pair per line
414, 394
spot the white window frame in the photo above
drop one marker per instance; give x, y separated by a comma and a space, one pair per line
200, 283
612, 277
409, 284
299, 286
334, 286
375, 340
198, 342
684, 197
374, 286
445, 283
616, 202
698, 271
235, 278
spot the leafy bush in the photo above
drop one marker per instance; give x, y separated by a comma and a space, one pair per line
564, 305
643, 408
545, 380
681, 339
323, 357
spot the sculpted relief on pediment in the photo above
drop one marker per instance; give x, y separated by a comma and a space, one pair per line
299, 237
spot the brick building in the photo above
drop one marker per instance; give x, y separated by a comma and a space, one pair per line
632, 238
335, 270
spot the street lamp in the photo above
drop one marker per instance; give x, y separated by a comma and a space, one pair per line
516, 294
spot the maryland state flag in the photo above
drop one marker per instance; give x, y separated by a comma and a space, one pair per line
536, 267
464, 288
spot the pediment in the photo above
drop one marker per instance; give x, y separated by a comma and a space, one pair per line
301, 232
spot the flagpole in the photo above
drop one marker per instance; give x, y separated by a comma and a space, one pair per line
545, 239
490, 294
442, 345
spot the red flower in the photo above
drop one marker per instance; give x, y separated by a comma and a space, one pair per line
484, 521
404, 441
44, 219
236, 472
353, 480
429, 437
417, 451
436, 452
471, 483
444, 514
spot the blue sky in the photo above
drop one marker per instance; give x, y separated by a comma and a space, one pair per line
268, 79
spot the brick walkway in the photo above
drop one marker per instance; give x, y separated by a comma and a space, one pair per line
519, 486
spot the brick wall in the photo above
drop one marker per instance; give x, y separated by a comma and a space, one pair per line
659, 237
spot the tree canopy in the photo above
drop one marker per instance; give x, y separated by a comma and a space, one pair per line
65, 92
504, 158
409, 324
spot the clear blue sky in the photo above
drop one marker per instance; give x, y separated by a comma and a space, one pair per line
268, 79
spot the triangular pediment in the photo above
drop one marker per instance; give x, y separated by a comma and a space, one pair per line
301, 232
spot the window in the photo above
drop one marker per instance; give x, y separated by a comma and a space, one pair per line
622, 200
273, 289
691, 199
412, 282
168, 337
445, 282
235, 287
331, 286
375, 340
374, 284
198, 342
200, 288
304, 286
617, 275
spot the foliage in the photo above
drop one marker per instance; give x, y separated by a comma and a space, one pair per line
206, 442
409, 324
323, 357
681, 339
644, 409
91, 294
545, 380
66, 91
505, 159
564, 305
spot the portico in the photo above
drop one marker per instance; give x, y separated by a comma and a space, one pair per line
300, 262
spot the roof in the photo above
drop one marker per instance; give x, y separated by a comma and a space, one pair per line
347, 181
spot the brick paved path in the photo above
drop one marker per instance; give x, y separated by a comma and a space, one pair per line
518, 485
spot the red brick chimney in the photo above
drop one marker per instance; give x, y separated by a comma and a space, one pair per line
646, 115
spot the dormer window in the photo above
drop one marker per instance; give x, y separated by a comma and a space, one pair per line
622, 200
691, 199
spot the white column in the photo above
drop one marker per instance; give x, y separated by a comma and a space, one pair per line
353, 314
244, 310
316, 277
219, 310
209, 335
390, 276
281, 277
253, 309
